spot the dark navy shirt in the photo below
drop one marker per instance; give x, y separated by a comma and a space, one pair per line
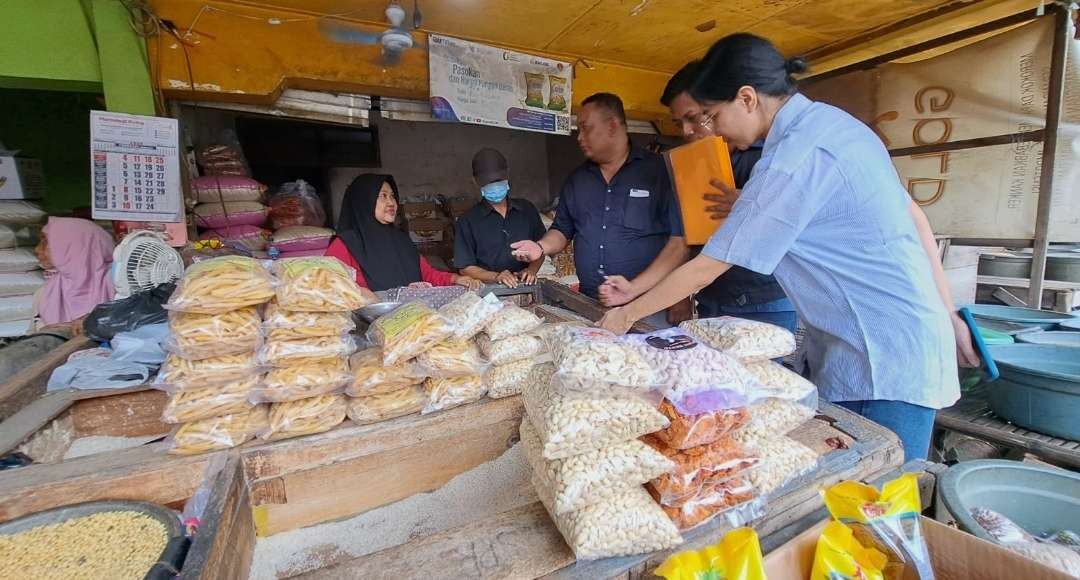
483, 236
618, 228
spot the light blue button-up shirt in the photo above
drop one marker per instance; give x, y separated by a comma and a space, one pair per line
824, 211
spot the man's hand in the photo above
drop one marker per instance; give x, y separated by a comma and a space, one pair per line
681, 311
966, 356
616, 291
722, 202
507, 278
616, 320
466, 281
527, 277
526, 251
420, 285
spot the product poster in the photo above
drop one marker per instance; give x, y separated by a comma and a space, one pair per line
135, 167
485, 85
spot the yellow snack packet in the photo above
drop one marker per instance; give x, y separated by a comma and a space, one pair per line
736, 557
839, 556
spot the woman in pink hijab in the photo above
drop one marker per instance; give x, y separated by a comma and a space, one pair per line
76, 255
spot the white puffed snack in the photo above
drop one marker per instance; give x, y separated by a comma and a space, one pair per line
508, 350
782, 460
505, 380
683, 365
628, 523
772, 417
748, 340
450, 392
469, 313
589, 355
775, 380
572, 425
593, 476
511, 320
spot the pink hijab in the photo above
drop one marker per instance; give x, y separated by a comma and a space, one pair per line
81, 253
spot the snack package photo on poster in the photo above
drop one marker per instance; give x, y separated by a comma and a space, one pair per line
485, 85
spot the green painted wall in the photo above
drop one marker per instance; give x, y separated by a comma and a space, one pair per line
125, 73
48, 44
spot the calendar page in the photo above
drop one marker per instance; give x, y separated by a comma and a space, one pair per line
135, 167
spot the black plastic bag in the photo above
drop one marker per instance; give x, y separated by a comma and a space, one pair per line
111, 318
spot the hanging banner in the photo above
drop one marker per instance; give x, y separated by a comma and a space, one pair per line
135, 168
485, 85
993, 87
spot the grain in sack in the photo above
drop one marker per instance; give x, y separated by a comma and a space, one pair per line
384, 406
748, 340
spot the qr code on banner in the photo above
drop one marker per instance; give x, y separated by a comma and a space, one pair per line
562, 123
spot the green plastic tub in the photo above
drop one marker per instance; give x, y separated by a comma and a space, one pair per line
1039, 388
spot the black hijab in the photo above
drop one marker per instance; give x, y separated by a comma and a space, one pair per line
385, 252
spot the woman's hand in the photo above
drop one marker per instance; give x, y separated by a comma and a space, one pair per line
470, 283
616, 320
507, 278
966, 356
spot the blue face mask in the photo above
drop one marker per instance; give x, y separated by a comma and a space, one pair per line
495, 191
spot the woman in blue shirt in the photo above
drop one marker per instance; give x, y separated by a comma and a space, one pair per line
825, 213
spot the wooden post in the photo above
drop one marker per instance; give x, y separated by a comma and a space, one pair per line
1054, 98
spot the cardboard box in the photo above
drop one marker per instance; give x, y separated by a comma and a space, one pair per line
955, 555
430, 230
422, 210
21, 178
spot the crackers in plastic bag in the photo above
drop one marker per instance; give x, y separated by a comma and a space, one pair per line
200, 336
222, 284
591, 355
283, 353
218, 432
189, 405
693, 426
280, 324
712, 500
371, 377
310, 379
452, 358
317, 285
469, 313
511, 320
384, 406
181, 374
508, 350
683, 365
449, 392
407, 331
748, 340
506, 380
698, 467
305, 417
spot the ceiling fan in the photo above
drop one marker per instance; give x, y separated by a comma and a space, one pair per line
394, 40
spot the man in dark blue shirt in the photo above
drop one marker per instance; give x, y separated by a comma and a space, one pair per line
618, 207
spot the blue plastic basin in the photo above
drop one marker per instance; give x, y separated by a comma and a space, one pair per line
1073, 324
1039, 388
1047, 319
1053, 338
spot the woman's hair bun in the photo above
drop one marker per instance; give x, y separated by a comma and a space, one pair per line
796, 65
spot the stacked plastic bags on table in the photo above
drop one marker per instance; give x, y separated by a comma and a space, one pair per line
20, 272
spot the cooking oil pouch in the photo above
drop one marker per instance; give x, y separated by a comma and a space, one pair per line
534, 90
736, 557
887, 521
839, 556
556, 93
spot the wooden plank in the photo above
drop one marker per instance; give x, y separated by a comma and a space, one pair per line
31, 418
1008, 299
1025, 283
133, 414
562, 296
225, 542
29, 383
997, 432
1009, 139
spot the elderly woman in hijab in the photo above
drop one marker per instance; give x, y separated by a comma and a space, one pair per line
375, 243
76, 255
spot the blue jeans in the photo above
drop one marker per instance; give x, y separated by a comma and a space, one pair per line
912, 423
779, 312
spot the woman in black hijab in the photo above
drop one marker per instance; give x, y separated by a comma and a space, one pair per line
375, 243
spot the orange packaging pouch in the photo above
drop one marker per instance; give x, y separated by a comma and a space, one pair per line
693, 166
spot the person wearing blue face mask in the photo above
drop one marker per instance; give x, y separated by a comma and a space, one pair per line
485, 232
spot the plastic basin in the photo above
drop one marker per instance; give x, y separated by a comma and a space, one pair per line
1044, 318
1054, 338
1073, 324
1039, 388
1040, 500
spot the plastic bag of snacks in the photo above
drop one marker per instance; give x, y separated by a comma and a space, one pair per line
371, 377
384, 406
586, 356
452, 358
698, 468
407, 331
469, 313
748, 340
703, 417
450, 392
713, 499
317, 285
777, 381
217, 432
511, 320
194, 404
840, 555
281, 353
1059, 551
182, 374
222, 284
736, 556
594, 475
288, 325
506, 380
311, 379
571, 425
682, 365
772, 417
218, 188
509, 350
305, 417
296, 203
892, 527
627, 523
783, 459
200, 336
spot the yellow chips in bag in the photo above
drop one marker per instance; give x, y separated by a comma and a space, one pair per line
736, 557
840, 555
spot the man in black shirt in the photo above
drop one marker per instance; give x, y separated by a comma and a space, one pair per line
485, 232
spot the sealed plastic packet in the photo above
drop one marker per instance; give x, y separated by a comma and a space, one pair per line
506, 380
281, 324
449, 392
222, 284
586, 478
189, 405
384, 406
587, 356
1059, 551
736, 556
305, 417
452, 358
281, 353
317, 285
774, 380
509, 350
469, 313
702, 418
200, 336
698, 468
840, 555
407, 331
887, 521
749, 340
733, 499
217, 432
772, 417
783, 460
511, 320
683, 365
182, 374
371, 377
311, 379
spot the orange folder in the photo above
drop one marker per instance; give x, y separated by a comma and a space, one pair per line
692, 167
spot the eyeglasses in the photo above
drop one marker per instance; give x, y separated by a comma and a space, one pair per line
706, 120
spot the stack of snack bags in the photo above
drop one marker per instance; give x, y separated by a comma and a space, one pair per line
585, 413
20, 272
212, 370
308, 345
512, 346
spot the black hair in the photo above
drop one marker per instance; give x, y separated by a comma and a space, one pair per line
739, 60
680, 82
611, 102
